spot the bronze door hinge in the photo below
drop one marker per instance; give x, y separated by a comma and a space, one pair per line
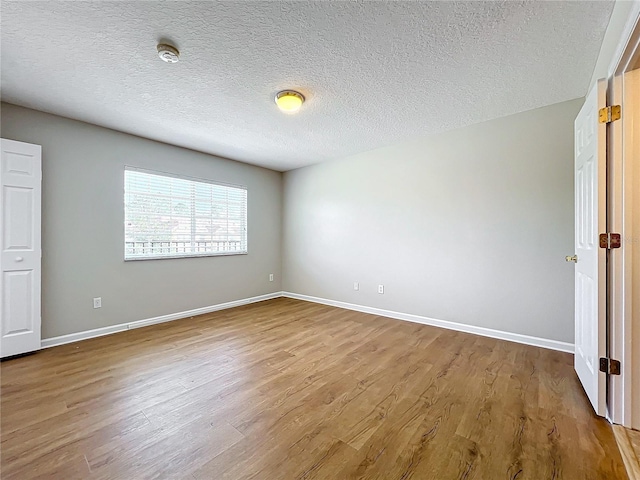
609, 114
610, 366
610, 240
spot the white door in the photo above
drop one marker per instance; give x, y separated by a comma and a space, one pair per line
590, 268
20, 252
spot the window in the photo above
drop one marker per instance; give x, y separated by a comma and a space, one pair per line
169, 216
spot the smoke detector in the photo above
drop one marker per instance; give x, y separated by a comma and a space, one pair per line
168, 53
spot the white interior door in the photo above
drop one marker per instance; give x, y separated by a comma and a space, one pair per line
590, 268
20, 251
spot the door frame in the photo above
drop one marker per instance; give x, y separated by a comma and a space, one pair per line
623, 342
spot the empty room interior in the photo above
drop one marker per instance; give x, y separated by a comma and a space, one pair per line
279, 240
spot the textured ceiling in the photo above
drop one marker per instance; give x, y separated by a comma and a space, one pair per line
373, 73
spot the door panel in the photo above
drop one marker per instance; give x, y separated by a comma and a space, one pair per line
590, 268
18, 303
20, 251
18, 218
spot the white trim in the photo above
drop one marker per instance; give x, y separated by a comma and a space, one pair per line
621, 401
460, 327
99, 332
616, 271
619, 63
188, 255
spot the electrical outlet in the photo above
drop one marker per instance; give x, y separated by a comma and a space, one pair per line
97, 302
271, 277
380, 288
356, 286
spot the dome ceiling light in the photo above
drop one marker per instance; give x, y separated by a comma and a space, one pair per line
289, 101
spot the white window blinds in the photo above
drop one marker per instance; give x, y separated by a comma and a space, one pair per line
168, 216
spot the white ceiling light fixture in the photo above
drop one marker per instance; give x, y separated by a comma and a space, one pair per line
168, 53
289, 101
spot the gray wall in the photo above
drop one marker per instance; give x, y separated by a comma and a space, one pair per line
83, 227
469, 226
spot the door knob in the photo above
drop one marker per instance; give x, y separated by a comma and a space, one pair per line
571, 258
19, 259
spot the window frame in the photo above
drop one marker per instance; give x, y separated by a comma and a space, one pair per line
190, 179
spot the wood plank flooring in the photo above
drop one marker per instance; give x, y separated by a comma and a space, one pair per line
629, 445
286, 389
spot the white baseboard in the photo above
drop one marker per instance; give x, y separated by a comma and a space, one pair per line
461, 327
99, 332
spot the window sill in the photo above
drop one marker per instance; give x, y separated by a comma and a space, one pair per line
192, 255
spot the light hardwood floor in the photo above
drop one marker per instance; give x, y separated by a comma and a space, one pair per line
286, 389
629, 445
